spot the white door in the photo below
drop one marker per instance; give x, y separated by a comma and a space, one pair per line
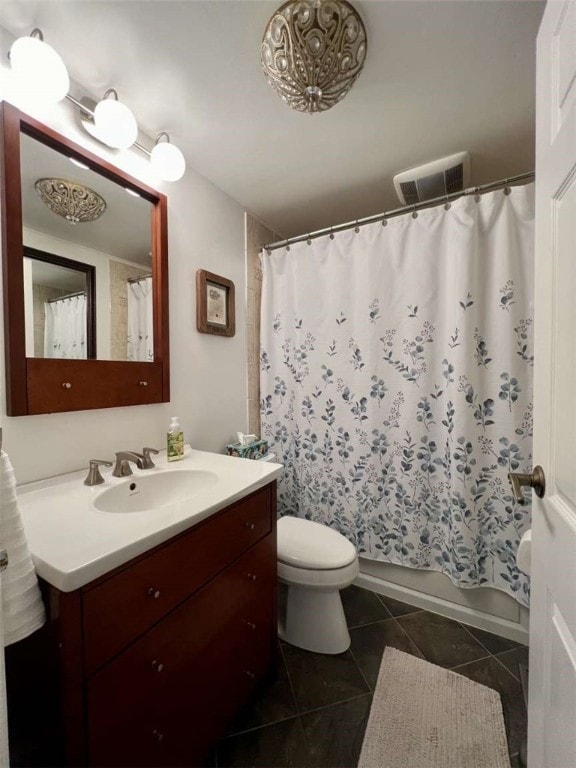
552, 695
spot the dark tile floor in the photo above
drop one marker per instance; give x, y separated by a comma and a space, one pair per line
314, 713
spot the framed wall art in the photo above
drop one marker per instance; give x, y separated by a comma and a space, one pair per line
215, 308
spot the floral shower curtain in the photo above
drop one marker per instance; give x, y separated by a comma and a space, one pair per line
396, 381
65, 327
140, 321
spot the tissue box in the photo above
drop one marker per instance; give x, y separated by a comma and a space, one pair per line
254, 450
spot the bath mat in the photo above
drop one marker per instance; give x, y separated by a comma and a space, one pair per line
424, 716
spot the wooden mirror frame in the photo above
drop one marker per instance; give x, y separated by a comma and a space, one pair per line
40, 385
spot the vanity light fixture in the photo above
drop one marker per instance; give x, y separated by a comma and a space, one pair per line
39, 71
166, 159
70, 200
312, 52
114, 124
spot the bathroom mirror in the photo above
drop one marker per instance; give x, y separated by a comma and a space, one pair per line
85, 277
75, 213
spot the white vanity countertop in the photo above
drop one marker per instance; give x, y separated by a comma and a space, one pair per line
73, 543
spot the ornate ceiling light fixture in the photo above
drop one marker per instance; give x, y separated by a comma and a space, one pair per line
74, 202
313, 51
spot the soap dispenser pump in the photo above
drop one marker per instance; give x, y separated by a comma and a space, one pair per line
175, 446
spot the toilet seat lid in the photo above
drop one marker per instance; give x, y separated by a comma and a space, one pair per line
305, 544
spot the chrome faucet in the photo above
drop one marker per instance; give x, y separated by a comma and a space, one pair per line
122, 467
94, 477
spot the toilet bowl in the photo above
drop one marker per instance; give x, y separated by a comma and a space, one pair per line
314, 563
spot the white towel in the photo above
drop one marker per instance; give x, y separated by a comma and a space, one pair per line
22, 606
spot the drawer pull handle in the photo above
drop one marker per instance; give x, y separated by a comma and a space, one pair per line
159, 736
159, 667
251, 576
251, 624
251, 675
155, 593
142, 383
250, 526
66, 385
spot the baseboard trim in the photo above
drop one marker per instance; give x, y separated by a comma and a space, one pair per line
495, 624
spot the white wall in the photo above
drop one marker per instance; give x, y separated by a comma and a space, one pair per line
208, 373
28, 308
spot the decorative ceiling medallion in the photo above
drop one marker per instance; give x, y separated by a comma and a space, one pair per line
313, 51
74, 202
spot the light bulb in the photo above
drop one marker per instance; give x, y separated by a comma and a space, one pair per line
167, 161
115, 124
39, 72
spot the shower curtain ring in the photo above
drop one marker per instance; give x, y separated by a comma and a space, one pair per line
356, 228
287, 245
477, 194
331, 234
414, 212
507, 189
309, 240
384, 222
447, 204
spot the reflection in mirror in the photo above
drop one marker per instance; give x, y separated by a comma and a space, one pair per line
58, 307
140, 321
88, 221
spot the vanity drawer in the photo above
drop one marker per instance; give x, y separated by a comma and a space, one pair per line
234, 676
179, 725
196, 666
56, 385
118, 610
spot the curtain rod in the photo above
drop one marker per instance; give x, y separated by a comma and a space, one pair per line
137, 279
383, 217
67, 296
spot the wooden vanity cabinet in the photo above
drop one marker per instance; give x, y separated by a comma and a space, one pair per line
157, 656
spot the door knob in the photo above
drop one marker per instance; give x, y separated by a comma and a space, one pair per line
536, 480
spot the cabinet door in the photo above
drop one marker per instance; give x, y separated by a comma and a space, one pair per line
167, 696
224, 680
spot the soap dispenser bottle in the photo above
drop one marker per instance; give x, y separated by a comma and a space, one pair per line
175, 440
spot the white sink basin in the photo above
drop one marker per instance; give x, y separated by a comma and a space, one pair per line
139, 493
73, 538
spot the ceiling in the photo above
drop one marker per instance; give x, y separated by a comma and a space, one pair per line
440, 76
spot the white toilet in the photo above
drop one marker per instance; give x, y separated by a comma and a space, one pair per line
314, 563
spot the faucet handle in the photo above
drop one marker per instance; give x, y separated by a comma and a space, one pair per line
94, 477
147, 462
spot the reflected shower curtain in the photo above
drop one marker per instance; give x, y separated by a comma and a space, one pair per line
140, 321
396, 381
65, 328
